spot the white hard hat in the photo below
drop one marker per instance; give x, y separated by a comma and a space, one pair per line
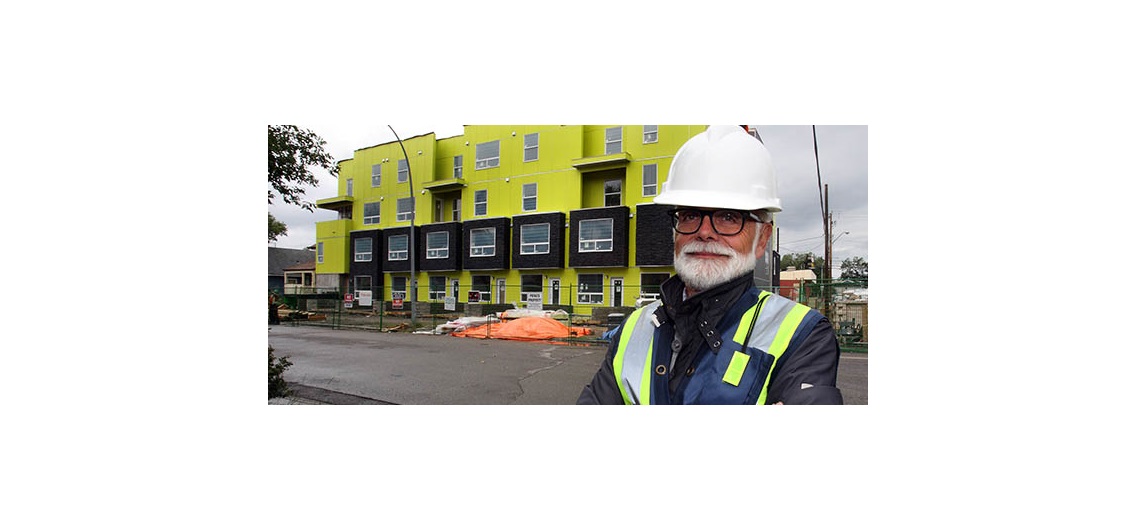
722, 167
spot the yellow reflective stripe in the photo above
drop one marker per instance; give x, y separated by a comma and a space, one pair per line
645, 383
737, 366
781, 341
617, 362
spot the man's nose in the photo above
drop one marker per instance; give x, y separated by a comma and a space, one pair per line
706, 229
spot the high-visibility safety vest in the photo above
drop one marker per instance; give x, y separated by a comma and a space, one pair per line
767, 326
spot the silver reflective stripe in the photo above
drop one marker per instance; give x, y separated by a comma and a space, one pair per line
636, 353
773, 313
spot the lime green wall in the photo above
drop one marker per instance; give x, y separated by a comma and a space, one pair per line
560, 187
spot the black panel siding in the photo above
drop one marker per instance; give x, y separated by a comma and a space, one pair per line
555, 257
374, 267
654, 239
620, 226
450, 263
500, 259
399, 265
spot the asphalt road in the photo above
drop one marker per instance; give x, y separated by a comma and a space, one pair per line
366, 367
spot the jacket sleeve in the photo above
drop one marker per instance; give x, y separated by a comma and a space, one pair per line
811, 366
603, 389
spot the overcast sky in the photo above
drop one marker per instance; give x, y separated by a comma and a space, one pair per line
842, 150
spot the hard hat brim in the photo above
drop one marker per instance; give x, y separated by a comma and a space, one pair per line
714, 199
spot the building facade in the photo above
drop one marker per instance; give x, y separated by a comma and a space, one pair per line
503, 212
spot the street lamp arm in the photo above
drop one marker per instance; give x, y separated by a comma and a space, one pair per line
413, 249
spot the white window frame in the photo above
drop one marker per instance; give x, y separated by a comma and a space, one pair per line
483, 251
619, 197
654, 185
458, 166
401, 215
457, 209
483, 205
535, 248
597, 245
612, 147
643, 285
488, 161
371, 219
350, 187
650, 134
487, 294
394, 291
539, 287
525, 196
532, 149
589, 297
432, 294
358, 289
319, 252
398, 255
403, 170
438, 252
362, 256
376, 175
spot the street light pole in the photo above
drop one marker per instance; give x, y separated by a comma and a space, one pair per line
413, 249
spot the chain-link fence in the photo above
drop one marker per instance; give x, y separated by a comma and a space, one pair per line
599, 308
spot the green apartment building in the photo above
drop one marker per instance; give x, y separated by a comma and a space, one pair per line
503, 212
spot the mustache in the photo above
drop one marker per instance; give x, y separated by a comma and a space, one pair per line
708, 246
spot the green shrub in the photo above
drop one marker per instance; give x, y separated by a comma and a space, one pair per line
277, 387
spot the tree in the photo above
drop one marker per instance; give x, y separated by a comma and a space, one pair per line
854, 268
802, 262
275, 228
292, 153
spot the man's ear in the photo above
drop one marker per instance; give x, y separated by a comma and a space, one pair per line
763, 239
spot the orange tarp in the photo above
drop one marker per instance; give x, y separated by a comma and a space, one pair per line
527, 328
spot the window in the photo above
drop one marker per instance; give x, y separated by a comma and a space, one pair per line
528, 197
650, 134
405, 207
371, 213
363, 247
482, 242
350, 187
319, 252
481, 285
403, 171
480, 202
437, 210
590, 290
534, 238
650, 179
613, 193
437, 287
437, 245
488, 155
376, 175
397, 248
457, 210
649, 285
362, 283
613, 140
531, 284
595, 235
398, 288
458, 167
531, 141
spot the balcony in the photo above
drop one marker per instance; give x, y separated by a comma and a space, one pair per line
596, 163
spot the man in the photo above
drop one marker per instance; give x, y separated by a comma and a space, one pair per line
714, 338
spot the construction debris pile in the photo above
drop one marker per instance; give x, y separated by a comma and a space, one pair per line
515, 324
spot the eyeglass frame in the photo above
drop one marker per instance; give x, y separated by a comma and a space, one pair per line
673, 214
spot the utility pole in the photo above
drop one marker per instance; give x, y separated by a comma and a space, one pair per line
827, 255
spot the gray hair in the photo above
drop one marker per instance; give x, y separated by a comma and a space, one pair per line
765, 216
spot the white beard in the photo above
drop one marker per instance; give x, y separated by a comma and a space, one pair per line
702, 274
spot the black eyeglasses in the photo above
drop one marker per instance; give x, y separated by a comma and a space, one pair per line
724, 222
